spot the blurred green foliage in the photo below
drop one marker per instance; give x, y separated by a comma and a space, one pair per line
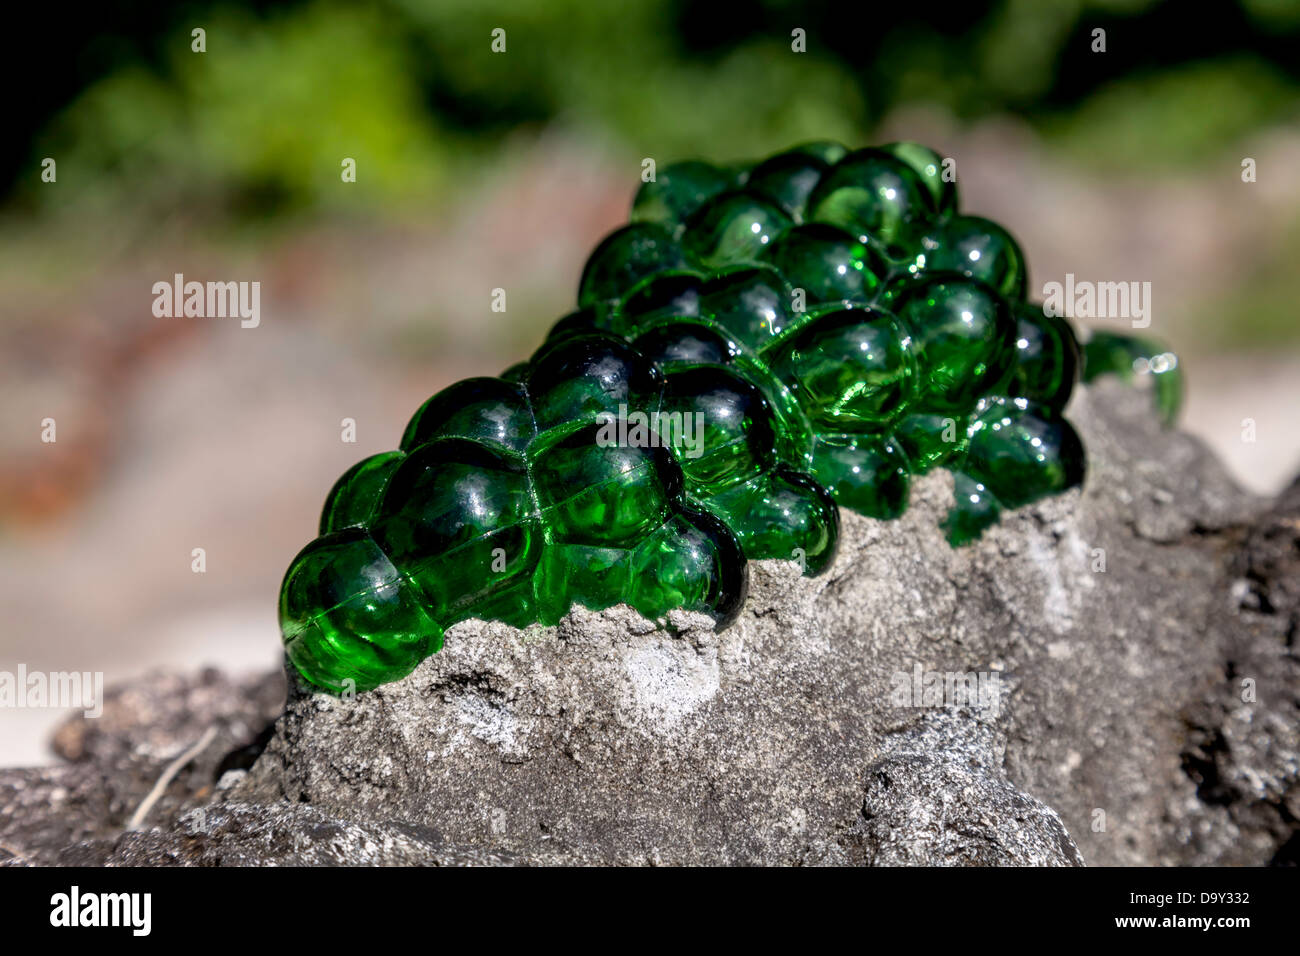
413, 92
262, 119
1186, 115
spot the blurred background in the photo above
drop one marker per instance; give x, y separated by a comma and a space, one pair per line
478, 170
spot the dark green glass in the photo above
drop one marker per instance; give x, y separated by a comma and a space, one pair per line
828, 151
827, 263
739, 173
1022, 451
867, 473
350, 620
732, 470
669, 294
1018, 453
929, 166
682, 342
752, 303
733, 229
850, 369
976, 509
588, 575
484, 409
677, 191
787, 180
693, 561
1133, 360
930, 439
782, 515
964, 334
871, 194
764, 344
576, 379
1047, 358
719, 425
593, 491
980, 249
459, 519
515, 373
578, 322
354, 497
624, 258
794, 429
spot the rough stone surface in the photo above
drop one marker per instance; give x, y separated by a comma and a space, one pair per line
238, 834
1139, 636
111, 763
938, 797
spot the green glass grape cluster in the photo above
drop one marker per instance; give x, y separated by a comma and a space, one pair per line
755, 350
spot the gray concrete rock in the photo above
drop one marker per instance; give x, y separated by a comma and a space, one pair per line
938, 796
110, 764
237, 834
1070, 688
